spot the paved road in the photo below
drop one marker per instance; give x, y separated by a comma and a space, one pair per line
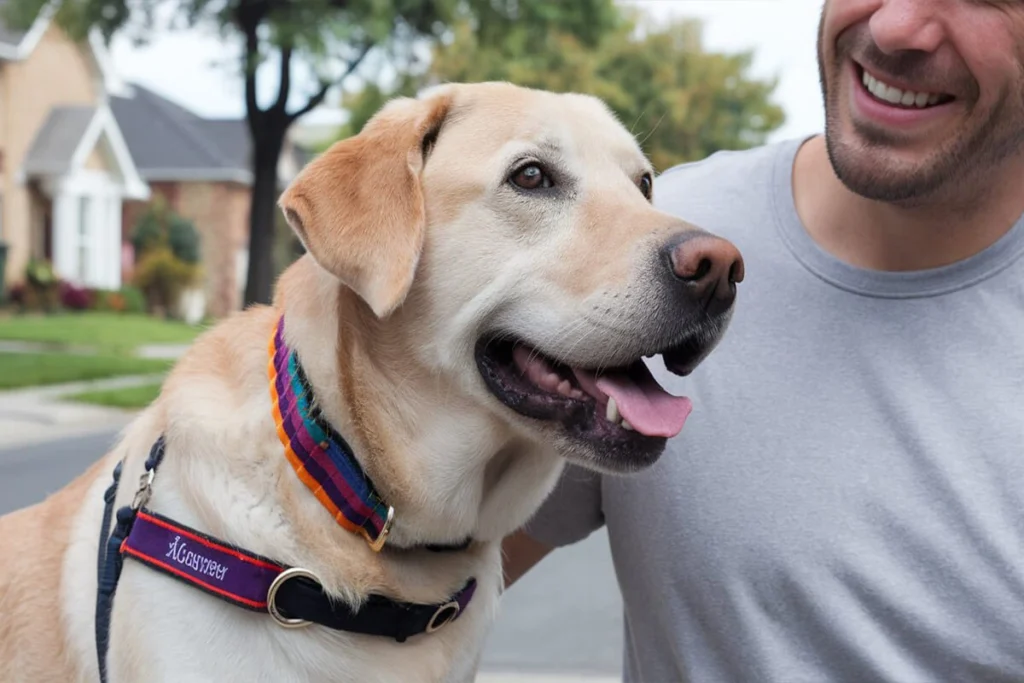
564, 616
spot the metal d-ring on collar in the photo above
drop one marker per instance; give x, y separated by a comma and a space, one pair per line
282, 620
453, 608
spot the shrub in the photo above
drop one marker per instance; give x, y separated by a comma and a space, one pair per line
161, 227
183, 239
167, 254
42, 286
74, 297
163, 277
134, 301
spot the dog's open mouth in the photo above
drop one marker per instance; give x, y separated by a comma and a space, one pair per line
618, 404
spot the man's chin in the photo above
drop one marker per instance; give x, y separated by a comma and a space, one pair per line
886, 173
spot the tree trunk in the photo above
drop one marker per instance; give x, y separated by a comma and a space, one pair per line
262, 212
267, 129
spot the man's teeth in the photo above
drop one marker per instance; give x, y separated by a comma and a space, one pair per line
905, 98
611, 412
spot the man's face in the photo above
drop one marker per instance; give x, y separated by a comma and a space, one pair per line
921, 96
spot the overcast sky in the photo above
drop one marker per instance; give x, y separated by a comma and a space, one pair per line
195, 68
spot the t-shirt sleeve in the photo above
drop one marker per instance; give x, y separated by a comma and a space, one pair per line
571, 512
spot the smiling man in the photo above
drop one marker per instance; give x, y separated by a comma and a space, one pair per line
846, 502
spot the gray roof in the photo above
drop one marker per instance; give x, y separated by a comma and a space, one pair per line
57, 140
9, 36
168, 142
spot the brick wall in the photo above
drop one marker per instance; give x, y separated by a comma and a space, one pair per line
220, 212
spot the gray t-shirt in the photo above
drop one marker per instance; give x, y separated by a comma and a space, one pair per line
846, 502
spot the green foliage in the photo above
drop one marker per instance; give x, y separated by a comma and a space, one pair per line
681, 101
163, 278
128, 299
41, 290
133, 300
160, 227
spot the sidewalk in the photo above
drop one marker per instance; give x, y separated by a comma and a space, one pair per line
37, 414
485, 677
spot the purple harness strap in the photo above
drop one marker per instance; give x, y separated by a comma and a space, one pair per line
291, 596
221, 569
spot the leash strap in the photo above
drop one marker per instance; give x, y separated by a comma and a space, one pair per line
108, 560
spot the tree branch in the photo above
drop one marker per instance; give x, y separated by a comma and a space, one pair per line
313, 102
285, 81
318, 98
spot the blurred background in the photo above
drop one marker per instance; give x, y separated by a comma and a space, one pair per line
144, 143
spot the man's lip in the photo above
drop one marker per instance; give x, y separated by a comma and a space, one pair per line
902, 85
870, 109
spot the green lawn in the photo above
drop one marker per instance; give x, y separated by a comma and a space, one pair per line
105, 331
129, 397
33, 369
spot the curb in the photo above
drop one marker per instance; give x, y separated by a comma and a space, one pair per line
32, 415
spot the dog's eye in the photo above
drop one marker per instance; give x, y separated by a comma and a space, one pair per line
531, 177
646, 185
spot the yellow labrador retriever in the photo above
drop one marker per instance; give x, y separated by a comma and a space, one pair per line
320, 491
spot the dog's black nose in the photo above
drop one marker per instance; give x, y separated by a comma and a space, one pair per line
706, 268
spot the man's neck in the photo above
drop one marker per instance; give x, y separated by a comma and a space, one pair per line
879, 236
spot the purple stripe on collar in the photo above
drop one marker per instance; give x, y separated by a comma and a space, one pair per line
322, 459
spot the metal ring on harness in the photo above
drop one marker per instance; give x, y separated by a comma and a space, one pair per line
279, 580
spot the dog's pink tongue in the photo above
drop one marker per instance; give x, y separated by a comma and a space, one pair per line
640, 399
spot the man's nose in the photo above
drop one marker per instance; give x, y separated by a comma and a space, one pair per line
908, 25
706, 269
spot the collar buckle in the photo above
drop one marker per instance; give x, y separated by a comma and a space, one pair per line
376, 544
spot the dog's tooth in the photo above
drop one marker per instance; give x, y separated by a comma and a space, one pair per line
576, 393
565, 388
628, 427
612, 411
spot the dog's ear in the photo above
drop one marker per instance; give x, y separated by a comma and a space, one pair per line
358, 208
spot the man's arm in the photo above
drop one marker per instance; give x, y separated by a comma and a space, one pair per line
519, 552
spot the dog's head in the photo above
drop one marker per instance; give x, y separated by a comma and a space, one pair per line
508, 235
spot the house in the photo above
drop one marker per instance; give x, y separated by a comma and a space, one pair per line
202, 169
83, 152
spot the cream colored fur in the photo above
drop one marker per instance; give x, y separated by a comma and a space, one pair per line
407, 265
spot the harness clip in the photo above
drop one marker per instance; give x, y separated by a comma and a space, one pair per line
145, 489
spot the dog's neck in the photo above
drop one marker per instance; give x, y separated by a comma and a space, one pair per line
450, 470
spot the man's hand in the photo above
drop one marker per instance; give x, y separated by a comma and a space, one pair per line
519, 554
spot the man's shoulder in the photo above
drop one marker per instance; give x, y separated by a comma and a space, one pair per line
724, 172
727, 161
727, 187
